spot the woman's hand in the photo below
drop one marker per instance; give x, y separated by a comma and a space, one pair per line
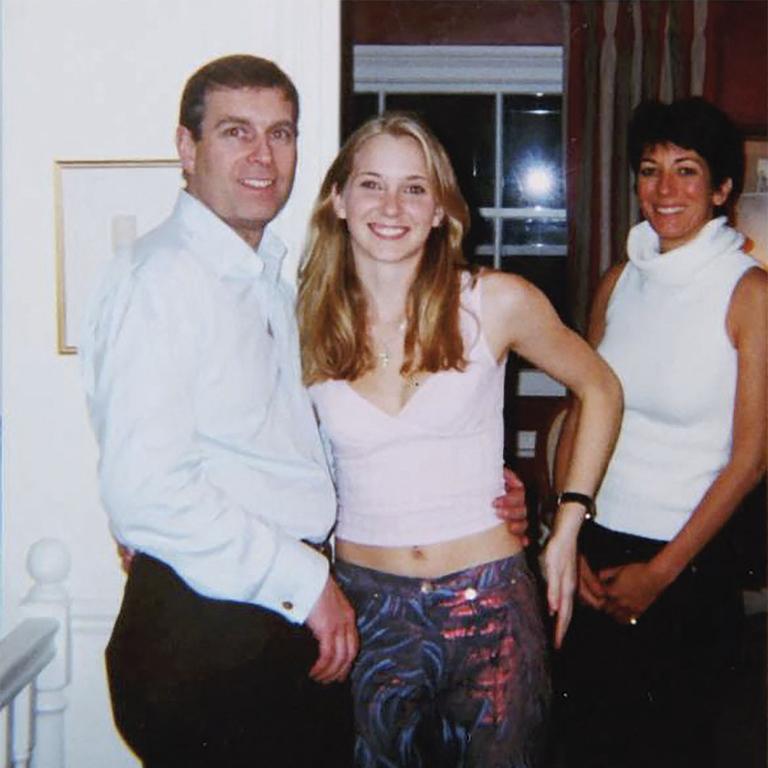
591, 589
558, 565
630, 590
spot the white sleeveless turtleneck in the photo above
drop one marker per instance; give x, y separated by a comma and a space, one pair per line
666, 339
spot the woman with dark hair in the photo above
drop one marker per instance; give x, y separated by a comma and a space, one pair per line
683, 324
403, 348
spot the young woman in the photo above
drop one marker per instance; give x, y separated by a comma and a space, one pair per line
404, 350
683, 323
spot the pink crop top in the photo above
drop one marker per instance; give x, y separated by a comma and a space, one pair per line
430, 473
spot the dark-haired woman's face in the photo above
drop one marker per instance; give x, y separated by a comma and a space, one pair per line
674, 187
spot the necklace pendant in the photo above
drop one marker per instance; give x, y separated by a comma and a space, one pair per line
383, 358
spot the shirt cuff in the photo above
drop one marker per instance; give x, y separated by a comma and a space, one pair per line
295, 580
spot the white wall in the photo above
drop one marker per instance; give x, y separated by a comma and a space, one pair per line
100, 79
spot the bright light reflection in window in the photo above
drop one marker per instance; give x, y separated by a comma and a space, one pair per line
539, 181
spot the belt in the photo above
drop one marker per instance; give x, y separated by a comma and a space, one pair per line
323, 547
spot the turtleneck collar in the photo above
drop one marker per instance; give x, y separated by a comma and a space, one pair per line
680, 265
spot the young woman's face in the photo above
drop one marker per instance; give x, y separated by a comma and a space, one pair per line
389, 200
674, 187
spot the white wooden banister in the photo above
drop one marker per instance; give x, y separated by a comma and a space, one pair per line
23, 655
35, 665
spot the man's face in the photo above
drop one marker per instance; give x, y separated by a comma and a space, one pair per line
243, 166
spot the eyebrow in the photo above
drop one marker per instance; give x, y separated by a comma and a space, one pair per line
235, 120
412, 177
232, 119
684, 158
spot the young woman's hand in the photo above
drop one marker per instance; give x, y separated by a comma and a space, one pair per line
558, 565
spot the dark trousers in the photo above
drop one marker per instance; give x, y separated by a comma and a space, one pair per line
648, 695
202, 683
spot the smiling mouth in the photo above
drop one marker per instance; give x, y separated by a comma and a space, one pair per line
387, 231
669, 210
257, 183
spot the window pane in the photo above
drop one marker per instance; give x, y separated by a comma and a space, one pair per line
534, 232
464, 123
532, 152
481, 231
481, 260
363, 106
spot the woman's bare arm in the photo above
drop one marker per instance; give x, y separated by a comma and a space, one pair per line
590, 588
518, 317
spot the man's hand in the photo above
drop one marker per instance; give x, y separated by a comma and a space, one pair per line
126, 557
332, 622
511, 507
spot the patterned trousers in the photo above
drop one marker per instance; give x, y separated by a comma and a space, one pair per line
452, 671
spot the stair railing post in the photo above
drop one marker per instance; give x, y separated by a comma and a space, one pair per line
48, 563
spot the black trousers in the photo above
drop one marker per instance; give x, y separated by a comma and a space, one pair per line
201, 683
650, 694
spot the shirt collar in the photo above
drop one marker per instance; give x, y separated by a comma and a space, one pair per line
222, 248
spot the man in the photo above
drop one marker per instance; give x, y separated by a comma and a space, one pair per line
233, 639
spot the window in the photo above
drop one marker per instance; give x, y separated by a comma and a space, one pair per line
497, 110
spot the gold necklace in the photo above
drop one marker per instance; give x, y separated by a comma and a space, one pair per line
411, 382
383, 355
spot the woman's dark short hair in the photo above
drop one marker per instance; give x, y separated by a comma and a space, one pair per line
237, 71
691, 123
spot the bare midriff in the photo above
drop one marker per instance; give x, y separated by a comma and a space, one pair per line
433, 560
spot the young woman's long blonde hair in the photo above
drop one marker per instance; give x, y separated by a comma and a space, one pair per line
332, 309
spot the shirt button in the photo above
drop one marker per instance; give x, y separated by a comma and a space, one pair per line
288, 605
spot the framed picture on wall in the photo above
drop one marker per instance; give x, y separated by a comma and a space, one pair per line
752, 207
101, 206
756, 155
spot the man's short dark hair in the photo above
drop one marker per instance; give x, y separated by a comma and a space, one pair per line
692, 123
237, 71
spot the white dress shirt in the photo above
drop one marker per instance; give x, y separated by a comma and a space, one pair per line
210, 459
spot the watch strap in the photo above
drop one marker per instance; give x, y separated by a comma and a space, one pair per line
575, 497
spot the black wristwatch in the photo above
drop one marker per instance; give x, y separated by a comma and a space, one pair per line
578, 498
